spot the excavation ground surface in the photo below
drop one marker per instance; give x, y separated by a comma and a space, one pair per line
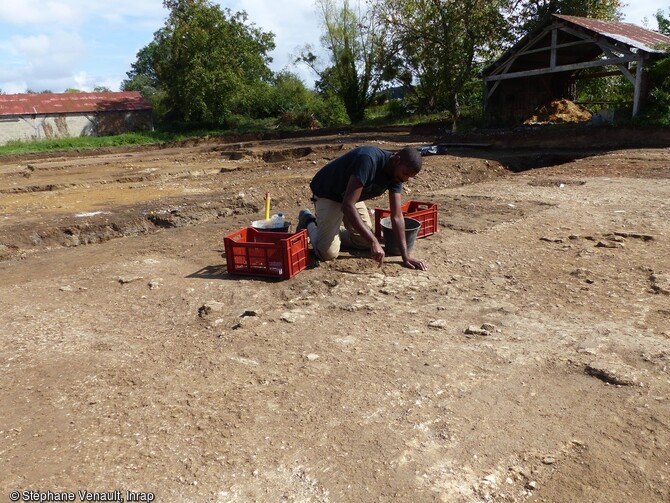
528, 363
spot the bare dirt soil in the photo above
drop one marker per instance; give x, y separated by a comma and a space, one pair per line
529, 363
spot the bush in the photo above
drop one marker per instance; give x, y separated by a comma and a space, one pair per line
295, 105
657, 107
287, 100
329, 110
399, 108
288, 93
301, 120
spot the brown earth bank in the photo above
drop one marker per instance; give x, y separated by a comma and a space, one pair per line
528, 363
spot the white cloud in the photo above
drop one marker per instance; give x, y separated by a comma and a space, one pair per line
32, 46
57, 44
32, 12
636, 12
48, 53
75, 12
82, 81
14, 87
294, 23
41, 61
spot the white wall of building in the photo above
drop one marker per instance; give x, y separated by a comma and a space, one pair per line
46, 127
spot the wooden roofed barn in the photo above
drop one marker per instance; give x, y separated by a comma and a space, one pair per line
545, 64
64, 115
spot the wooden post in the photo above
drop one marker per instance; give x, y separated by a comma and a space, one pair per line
638, 85
554, 43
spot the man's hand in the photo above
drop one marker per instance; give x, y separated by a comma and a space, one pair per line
351, 197
411, 263
376, 252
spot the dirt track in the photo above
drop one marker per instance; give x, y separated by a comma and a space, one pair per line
347, 383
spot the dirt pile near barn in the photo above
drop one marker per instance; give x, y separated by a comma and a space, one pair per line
560, 112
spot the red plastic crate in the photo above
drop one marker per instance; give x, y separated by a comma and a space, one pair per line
270, 254
426, 213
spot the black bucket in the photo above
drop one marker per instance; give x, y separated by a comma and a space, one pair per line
412, 227
260, 225
287, 226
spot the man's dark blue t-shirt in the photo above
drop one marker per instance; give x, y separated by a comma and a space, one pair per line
367, 164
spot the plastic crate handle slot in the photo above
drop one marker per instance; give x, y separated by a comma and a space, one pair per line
236, 237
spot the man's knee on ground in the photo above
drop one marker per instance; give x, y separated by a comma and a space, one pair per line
327, 255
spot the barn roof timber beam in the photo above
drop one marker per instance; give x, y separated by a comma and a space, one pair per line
621, 67
559, 46
493, 89
555, 46
513, 57
562, 68
616, 46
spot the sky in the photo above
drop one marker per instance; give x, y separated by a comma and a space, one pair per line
80, 44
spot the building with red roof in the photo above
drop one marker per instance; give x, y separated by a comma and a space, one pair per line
61, 115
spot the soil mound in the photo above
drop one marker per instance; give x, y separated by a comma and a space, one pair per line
559, 112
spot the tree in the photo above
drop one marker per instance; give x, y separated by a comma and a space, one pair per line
663, 22
437, 45
657, 107
201, 61
354, 40
525, 15
143, 67
101, 89
143, 78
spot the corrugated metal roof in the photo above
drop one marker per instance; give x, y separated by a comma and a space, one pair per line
627, 33
62, 103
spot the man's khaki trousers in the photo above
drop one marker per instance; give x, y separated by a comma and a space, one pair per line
331, 235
